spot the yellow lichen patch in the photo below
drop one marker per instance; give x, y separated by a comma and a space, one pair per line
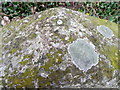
87, 14
28, 56
111, 25
14, 24
26, 82
95, 40
71, 39
112, 53
108, 73
13, 50
41, 18
9, 39
96, 76
56, 76
44, 82
16, 81
32, 35
69, 12
106, 70
28, 72
24, 62
24, 79
45, 15
48, 65
53, 59
22, 28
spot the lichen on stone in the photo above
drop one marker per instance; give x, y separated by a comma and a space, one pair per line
83, 54
58, 47
105, 31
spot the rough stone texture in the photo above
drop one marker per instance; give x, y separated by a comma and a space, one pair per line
35, 51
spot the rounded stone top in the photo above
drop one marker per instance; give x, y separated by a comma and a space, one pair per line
59, 47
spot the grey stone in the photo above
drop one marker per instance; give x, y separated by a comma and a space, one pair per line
39, 51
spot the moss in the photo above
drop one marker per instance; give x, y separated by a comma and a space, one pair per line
71, 39
110, 52
26, 82
45, 15
28, 56
66, 27
44, 82
16, 81
97, 76
22, 28
54, 77
62, 37
87, 24
52, 59
23, 79
8, 26
32, 35
31, 20
95, 40
106, 70
48, 65
24, 62
10, 38
69, 12
42, 17
13, 50
28, 72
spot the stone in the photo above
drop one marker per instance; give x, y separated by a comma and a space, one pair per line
59, 48
5, 21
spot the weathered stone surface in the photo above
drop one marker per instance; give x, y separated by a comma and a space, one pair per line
60, 48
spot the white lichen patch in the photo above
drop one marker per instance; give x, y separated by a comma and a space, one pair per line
83, 54
44, 75
37, 27
25, 21
105, 31
59, 22
2, 68
39, 16
66, 38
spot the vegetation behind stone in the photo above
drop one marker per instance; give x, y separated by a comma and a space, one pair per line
103, 10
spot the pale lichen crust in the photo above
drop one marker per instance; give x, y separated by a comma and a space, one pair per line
83, 54
105, 31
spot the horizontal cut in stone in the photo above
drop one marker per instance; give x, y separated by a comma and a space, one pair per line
83, 54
